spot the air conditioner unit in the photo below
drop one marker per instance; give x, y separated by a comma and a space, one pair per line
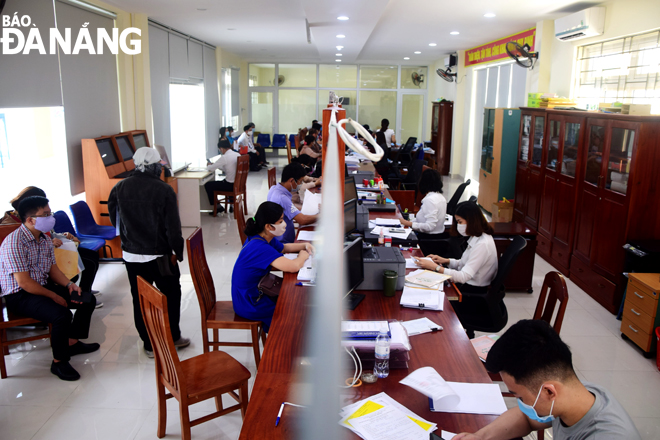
451, 60
584, 24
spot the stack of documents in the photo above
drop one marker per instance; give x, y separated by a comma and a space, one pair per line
410, 263
311, 203
380, 417
424, 290
363, 329
306, 236
456, 397
401, 233
399, 340
427, 278
420, 326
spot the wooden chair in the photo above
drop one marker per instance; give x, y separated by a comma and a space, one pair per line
405, 199
272, 176
242, 169
240, 219
217, 314
209, 375
9, 320
288, 150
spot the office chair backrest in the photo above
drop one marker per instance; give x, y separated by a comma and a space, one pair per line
414, 172
83, 217
554, 288
241, 173
63, 223
409, 145
5, 230
264, 140
199, 271
453, 202
153, 305
279, 140
240, 218
473, 199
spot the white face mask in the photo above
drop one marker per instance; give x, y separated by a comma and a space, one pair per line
462, 229
280, 229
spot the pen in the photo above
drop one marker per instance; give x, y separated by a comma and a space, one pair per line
279, 414
305, 284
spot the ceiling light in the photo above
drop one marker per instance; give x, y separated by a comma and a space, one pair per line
489, 15
231, 29
337, 54
432, 44
406, 58
342, 18
417, 52
454, 33
341, 36
201, 9
338, 61
339, 47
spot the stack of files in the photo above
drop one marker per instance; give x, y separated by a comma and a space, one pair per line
367, 195
380, 417
456, 397
399, 340
556, 102
422, 297
363, 329
388, 231
352, 160
426, 278
483, 344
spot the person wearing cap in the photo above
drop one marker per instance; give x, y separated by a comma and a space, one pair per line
227, 163
144, 208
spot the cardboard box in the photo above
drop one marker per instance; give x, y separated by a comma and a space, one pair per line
536, 103
502, 212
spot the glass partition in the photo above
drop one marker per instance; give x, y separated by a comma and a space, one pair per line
537, 154
297, 75
412, 114
487, 140
524, 141
296, 109
618, 168
379, 77
376, 106
262, 111
262, 75
331, 75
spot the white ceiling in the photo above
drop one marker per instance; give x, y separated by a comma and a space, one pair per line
378, 31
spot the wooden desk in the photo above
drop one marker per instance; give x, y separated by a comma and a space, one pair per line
449, 352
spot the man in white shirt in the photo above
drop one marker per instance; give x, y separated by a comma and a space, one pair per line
227, 163
245, 140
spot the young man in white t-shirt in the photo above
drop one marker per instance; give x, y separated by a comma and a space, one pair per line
537, 367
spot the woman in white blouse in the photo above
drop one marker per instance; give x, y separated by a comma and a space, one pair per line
430, 220
390, 138
477, 267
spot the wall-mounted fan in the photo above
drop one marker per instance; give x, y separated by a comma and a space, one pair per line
521, 54
280, 80
446, 74
417, 78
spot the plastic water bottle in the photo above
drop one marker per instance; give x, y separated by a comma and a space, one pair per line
382, 365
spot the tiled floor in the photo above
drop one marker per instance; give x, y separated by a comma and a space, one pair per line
115, 398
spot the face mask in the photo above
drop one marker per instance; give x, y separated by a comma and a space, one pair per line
462, 229
530, 412
295, 190
280, 229
44, 224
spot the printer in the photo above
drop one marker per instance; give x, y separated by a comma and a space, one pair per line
378, 259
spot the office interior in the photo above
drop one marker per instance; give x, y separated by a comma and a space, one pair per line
205, 65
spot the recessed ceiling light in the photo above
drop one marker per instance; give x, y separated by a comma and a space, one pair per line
406, 58
342, 18
339, 47
432, 44
489, 15
417, 52
337, 54
454, 33
231, 29
201, 9
338, 61
341, 36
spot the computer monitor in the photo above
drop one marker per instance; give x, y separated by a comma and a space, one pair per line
125, 147
107, 152
139, 140
353, 257
350, 216
350, 191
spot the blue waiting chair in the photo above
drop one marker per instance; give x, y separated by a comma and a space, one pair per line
63, 224
264, 140
86, 226
279, 141
292, 140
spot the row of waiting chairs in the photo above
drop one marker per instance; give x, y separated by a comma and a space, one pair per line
279, 140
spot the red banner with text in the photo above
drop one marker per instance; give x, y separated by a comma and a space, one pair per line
495, 50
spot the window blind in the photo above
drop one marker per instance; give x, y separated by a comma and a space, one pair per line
211, 102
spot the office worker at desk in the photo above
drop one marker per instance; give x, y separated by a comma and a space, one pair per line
261, 250
430, 220
292, 179
478, 264
536, 365
227, 163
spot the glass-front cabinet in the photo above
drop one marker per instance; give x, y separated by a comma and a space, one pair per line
487, 140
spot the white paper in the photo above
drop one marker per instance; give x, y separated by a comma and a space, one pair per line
388, 222
476, 398
399, 341
388, 423
309, 262
352, 159
410, 263
311, 202
419, 326
387, 233
433, 299
446, 435
306, 235
428, 382
426, 278
363, 326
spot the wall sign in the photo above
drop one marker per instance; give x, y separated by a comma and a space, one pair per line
495, 50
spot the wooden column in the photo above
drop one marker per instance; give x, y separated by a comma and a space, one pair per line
327, 114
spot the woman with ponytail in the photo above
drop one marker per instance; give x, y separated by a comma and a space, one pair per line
390, 138
262, 250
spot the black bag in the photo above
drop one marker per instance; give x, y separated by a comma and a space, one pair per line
270, 285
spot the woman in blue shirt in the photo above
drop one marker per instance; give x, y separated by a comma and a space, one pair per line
261, 251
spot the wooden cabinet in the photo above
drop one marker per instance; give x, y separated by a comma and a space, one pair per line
599, 189
529, 170
640, 312
559, 188
498, 155
442, 118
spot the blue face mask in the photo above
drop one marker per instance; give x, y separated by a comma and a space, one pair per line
530, 412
